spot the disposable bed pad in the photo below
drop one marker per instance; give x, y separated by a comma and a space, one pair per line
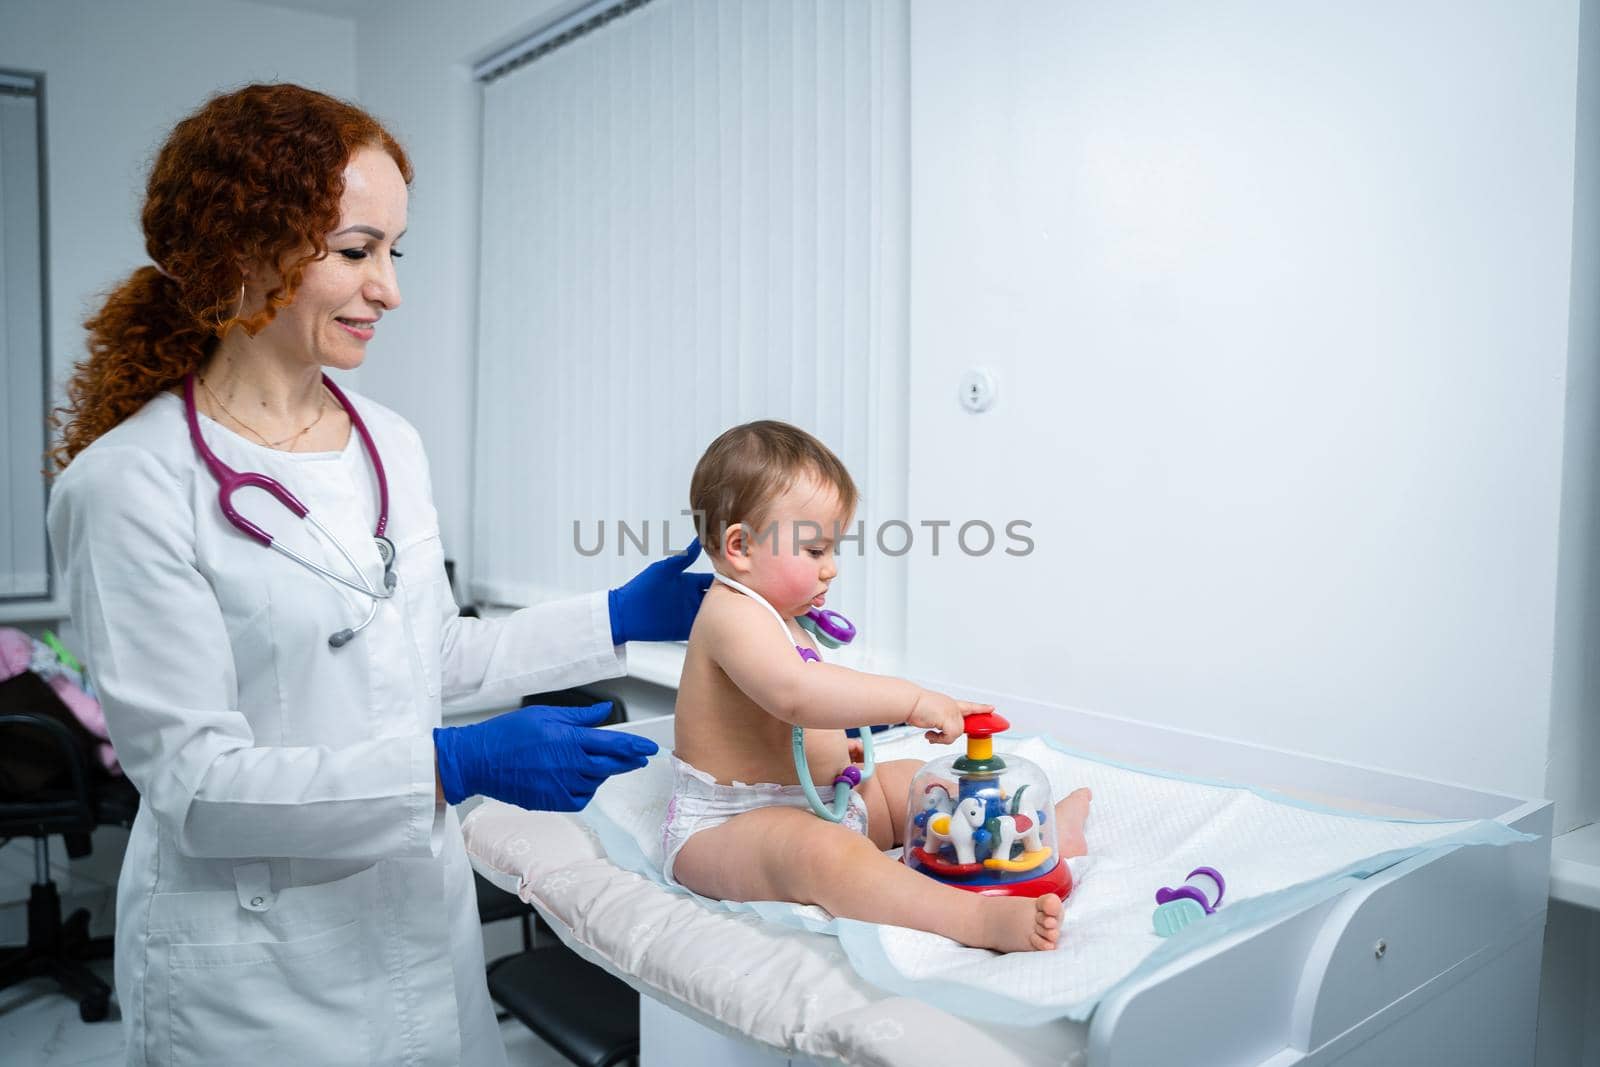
1145, 830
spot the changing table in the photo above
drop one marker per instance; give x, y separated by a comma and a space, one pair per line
1433, 960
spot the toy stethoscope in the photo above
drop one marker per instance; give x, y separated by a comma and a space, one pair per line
230, 480
833, 630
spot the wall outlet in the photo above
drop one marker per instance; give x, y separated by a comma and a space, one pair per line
978, 390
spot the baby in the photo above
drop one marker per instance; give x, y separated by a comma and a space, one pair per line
771, 501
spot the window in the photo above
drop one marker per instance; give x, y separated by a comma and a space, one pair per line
24, 553
693, 214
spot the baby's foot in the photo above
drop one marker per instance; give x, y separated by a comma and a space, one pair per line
1071, 813
1024, 924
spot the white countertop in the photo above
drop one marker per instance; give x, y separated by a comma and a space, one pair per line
1575, 867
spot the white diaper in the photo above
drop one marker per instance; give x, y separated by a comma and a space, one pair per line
700, 802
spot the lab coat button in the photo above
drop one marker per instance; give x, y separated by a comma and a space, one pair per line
256, 902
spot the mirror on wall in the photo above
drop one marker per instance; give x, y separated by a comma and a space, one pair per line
24, 402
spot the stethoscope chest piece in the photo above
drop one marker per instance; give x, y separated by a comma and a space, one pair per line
386, 554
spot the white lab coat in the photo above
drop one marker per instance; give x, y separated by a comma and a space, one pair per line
291, 893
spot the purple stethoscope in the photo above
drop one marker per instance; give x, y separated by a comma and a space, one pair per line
230, 480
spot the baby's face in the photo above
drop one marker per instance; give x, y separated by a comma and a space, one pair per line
791, 556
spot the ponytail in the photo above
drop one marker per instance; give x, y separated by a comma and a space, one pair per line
141, 342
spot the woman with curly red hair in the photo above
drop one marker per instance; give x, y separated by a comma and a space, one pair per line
272, 663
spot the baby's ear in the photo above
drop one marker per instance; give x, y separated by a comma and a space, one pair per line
736, 547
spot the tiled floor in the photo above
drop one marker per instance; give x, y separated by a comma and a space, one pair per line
39, 1027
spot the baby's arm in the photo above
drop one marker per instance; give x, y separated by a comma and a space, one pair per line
742, 641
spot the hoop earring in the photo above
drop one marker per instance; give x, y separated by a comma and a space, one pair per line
221, 326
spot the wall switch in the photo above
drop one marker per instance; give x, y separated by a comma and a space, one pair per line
978, 390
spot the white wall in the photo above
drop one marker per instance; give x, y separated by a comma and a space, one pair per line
1575, 703
1278, 296
1569, 1007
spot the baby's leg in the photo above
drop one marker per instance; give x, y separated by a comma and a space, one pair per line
1072, 811
885, 794
783, 853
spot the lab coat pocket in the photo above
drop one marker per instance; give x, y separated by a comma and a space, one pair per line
296, 1002
420, 565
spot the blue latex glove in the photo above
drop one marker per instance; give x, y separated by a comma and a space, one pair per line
659, 603
547, 759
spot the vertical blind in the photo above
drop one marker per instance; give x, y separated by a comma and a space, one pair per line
693, 216
24, 562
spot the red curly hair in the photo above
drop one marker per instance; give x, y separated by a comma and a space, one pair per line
253, 178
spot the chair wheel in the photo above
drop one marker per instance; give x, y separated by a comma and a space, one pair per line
94, 1007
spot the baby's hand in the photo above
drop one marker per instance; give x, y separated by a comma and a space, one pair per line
941, 716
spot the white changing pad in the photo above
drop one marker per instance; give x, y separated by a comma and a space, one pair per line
788, 988
1145, 831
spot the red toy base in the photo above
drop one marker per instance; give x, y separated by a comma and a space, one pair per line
939, 865
1057, 880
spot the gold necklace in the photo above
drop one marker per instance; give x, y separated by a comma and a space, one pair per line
322, 410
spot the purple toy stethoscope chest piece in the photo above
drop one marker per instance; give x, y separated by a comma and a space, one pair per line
1177, 907
833, 624
1195, 893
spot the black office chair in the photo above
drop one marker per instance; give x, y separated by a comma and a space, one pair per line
72, 800
578, 1009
